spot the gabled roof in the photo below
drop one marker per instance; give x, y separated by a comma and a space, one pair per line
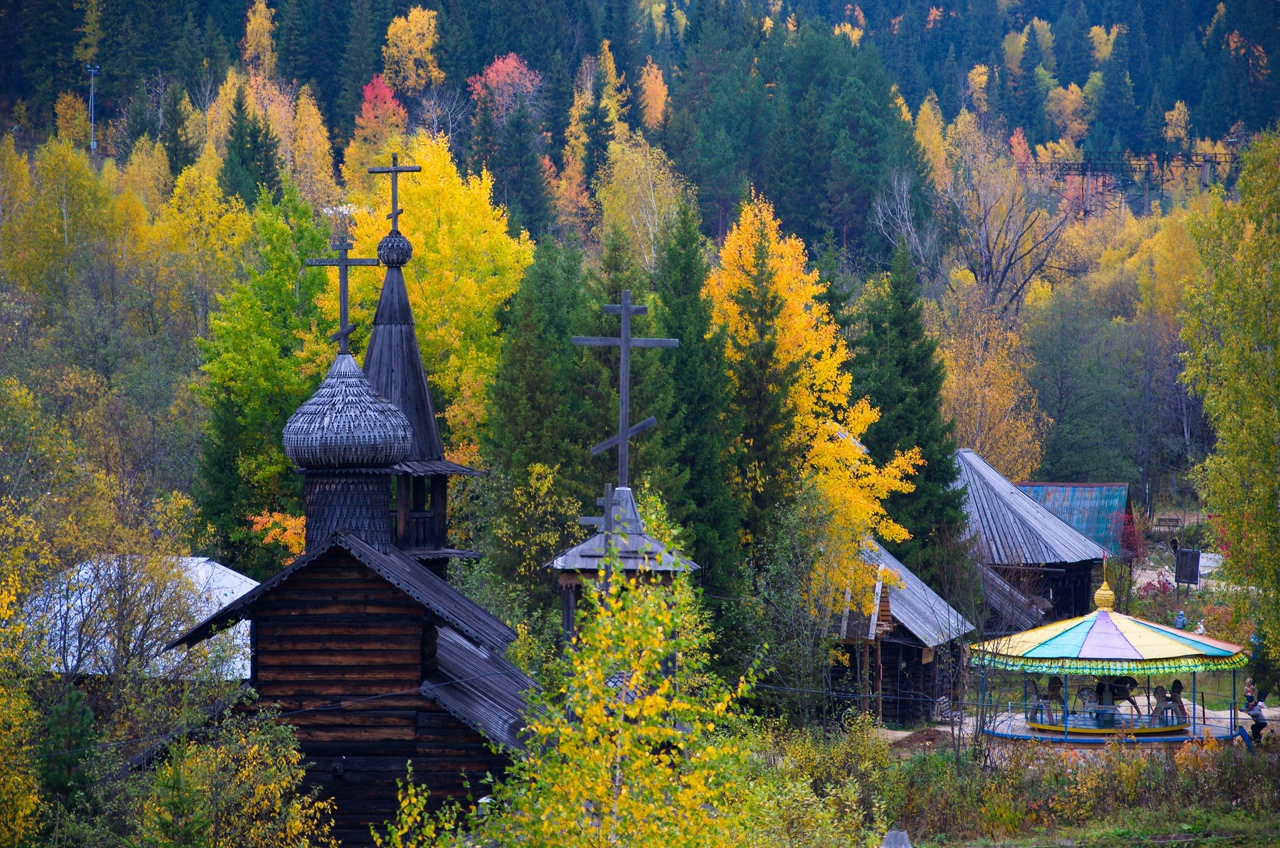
1095, 509
459, 611
393, 365
1013, 609
635, 549
914, 605
479, 687
1013, 529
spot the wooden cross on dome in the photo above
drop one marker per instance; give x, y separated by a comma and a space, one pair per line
341, 244
395, 171
624, 342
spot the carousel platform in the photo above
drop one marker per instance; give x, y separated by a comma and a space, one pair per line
1087, 729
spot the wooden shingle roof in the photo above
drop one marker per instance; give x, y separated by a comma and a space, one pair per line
635, 550
915, 606
1012, 528
479, 687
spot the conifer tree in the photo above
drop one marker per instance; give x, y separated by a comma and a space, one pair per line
295, 59
1117, 113
763, 383
519, 177
699, 377
173, 135
252, 155
536, 403
895, 364
359, 63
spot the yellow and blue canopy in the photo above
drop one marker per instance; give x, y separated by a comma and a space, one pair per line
1107, 643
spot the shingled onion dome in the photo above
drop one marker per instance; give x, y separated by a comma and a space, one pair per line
346, 438
394, 250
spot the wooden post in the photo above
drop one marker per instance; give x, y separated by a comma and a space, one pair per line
403, 487
440, 506
879, 683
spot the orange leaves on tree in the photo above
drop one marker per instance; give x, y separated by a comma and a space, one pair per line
653, 96
381, 118
280, 528
807, 336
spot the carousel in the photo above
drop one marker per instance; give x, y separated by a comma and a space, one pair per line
1108, 675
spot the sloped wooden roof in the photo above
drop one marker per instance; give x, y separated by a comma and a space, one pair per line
398, 569
1012, 529
1013, 609
634, 548
479, 687
915, 606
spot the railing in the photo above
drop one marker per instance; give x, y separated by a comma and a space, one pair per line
419, 531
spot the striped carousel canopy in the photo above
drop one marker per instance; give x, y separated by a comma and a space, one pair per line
1106, 642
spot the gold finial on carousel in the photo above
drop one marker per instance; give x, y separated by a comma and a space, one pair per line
1104, 598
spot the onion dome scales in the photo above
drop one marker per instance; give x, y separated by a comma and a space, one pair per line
347, 425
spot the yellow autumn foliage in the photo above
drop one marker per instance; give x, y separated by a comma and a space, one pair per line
243, 788
465, 266
986, 391
410, 66
22, 555
827, 424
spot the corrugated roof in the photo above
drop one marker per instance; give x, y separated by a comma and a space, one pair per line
1013, 529
479, 688
1095, 509
462, 613
917, 607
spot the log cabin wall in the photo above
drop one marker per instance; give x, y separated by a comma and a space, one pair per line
340, 643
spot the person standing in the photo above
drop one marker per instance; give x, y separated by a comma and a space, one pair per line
1253, 707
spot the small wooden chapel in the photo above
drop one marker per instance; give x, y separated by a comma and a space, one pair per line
361, 642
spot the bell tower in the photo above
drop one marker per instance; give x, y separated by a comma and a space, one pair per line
394, 367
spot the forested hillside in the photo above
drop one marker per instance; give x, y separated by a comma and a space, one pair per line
1041, 230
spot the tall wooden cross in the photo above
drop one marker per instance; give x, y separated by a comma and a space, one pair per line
625, 342
395, 171
341, 244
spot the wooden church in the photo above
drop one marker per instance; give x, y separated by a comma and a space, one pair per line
366, 649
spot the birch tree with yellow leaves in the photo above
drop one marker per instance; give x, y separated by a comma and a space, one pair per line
465, 267
801, 428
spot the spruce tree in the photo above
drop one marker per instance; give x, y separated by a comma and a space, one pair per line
359, 62
1117, 113
519, 174
766, 450
895, 365
536, 402
252, 156
702, 393
174, 111
295, 21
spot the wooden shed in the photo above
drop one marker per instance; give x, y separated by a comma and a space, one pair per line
907, 645
1032, 560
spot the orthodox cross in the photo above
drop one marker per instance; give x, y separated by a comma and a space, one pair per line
624, 342
395, 171
341, 244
